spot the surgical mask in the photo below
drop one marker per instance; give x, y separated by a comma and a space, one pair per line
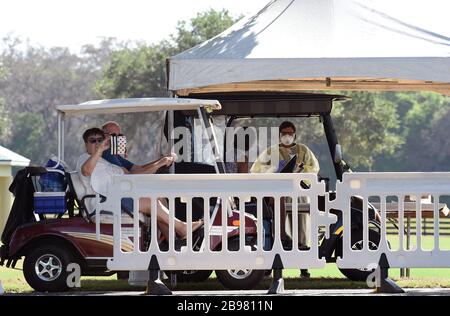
287, 139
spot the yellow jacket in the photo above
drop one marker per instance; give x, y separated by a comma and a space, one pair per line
267, 164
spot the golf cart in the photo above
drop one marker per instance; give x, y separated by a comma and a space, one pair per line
49, 245
68, 231
249, 107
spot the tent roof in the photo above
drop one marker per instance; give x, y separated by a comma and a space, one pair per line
323, 45
10, 158
132, 105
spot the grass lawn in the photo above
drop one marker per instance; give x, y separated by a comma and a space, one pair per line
327, 278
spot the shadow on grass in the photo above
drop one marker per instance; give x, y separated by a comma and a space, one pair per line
92, 286
214, 284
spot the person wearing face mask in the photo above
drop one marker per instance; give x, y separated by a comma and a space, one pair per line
287, 148
272, 160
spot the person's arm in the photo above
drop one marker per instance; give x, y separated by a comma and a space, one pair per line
139, 169
153, 166
311, 162
88, 167
262, 163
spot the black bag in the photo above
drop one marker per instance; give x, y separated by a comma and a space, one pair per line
22, 209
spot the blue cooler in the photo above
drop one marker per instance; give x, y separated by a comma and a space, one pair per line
49, 202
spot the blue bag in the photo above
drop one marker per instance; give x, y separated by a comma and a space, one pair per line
54, 180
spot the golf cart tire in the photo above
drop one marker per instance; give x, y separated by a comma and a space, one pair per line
357, 274
252, 279
193, 276
53, 254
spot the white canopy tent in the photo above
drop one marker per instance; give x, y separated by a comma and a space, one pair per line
321, 45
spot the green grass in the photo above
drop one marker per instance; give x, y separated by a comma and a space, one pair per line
327, 278
427, 242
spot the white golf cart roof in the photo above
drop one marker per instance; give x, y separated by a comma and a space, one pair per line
132, 105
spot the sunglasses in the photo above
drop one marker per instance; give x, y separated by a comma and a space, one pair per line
95, 140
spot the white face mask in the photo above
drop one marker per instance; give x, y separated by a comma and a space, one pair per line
287, 139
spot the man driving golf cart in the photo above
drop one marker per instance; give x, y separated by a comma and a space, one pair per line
97, 173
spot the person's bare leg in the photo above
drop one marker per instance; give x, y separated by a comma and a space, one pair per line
163, 216
180, 226
164, 229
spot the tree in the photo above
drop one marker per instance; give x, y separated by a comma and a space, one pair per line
366, 126
37, 79
4, 124
27, 133
4, 118
203, 27
135, 73
140, 71
420, 116
392, 131
426, 127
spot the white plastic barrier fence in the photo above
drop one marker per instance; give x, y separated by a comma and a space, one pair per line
227, 188
391, 192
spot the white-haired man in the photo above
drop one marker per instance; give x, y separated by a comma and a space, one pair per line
110, 128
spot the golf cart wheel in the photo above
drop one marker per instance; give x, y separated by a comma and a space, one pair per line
45, 268
241, 279
356, 242
193, 275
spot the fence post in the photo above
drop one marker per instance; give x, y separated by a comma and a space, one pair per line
408, 239
154, 285
386, 285
277, 286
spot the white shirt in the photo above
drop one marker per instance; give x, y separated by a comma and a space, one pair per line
100, 179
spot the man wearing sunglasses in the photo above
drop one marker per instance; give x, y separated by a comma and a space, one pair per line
113, 128
95, 143
93, 169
